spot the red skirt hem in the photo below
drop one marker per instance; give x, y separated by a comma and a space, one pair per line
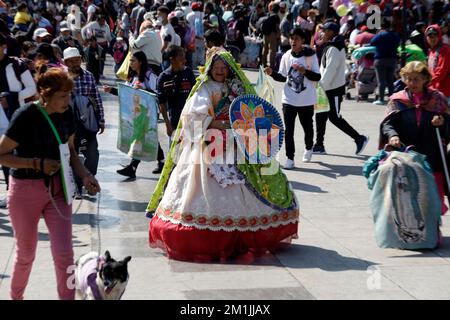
192, 244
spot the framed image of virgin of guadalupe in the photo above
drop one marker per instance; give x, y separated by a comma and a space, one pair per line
257, 128
138, 125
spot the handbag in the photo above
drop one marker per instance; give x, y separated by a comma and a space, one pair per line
122, 73
322, 104
86, 113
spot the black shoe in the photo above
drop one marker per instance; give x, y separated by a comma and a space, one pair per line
361, 143
128, 171
319, 149
159, 168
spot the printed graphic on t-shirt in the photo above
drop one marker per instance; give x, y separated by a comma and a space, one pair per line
296, 80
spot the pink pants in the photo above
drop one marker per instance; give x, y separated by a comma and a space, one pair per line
28, 200
440, 181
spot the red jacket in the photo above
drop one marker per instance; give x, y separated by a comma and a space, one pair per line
439, 65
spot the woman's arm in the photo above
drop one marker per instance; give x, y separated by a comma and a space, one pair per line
8, 159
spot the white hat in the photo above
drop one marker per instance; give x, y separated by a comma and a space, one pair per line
71, 52
40, 33
63, 26
179, 14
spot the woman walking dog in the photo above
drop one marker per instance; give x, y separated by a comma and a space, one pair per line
31, 146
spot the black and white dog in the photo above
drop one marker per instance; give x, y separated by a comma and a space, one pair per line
101, 277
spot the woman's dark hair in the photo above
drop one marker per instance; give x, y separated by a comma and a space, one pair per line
210, 7
22, 6
142, 58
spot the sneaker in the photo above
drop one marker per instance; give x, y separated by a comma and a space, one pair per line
289, 164
379, 103
318, 149
307, 155
159, 168
361, 143
128, 171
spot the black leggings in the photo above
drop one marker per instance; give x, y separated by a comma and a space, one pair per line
305, 115
335, 118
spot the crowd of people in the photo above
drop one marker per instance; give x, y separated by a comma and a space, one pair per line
53, 56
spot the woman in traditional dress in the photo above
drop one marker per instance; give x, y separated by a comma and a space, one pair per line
413, 115
208, 210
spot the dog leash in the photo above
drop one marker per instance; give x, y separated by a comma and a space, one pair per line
97, 220
98, 226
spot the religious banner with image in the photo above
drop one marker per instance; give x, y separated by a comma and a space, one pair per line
138, 123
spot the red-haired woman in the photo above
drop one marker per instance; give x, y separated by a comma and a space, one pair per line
30, 146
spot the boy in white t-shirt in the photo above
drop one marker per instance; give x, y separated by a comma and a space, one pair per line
299, 69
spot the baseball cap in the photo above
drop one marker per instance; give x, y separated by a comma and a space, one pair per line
431, 30
40, 33
71, 52
331, 26
196, 6
179, 14
63, 26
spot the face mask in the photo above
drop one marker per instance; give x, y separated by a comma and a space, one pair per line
160, 19
36, 16
5, 51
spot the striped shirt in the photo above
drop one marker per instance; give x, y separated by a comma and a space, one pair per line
85, 85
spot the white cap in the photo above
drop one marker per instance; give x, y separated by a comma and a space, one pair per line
63, 26
40, 33
142, 2
71, 52
179, 14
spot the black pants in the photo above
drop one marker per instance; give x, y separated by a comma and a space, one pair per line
305, 115
335, 118
87, 145
159, 157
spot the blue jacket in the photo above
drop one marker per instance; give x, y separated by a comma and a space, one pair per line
386, 43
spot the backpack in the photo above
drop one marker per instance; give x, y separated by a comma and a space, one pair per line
231, 34
404, 200
86, 113
264, 25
